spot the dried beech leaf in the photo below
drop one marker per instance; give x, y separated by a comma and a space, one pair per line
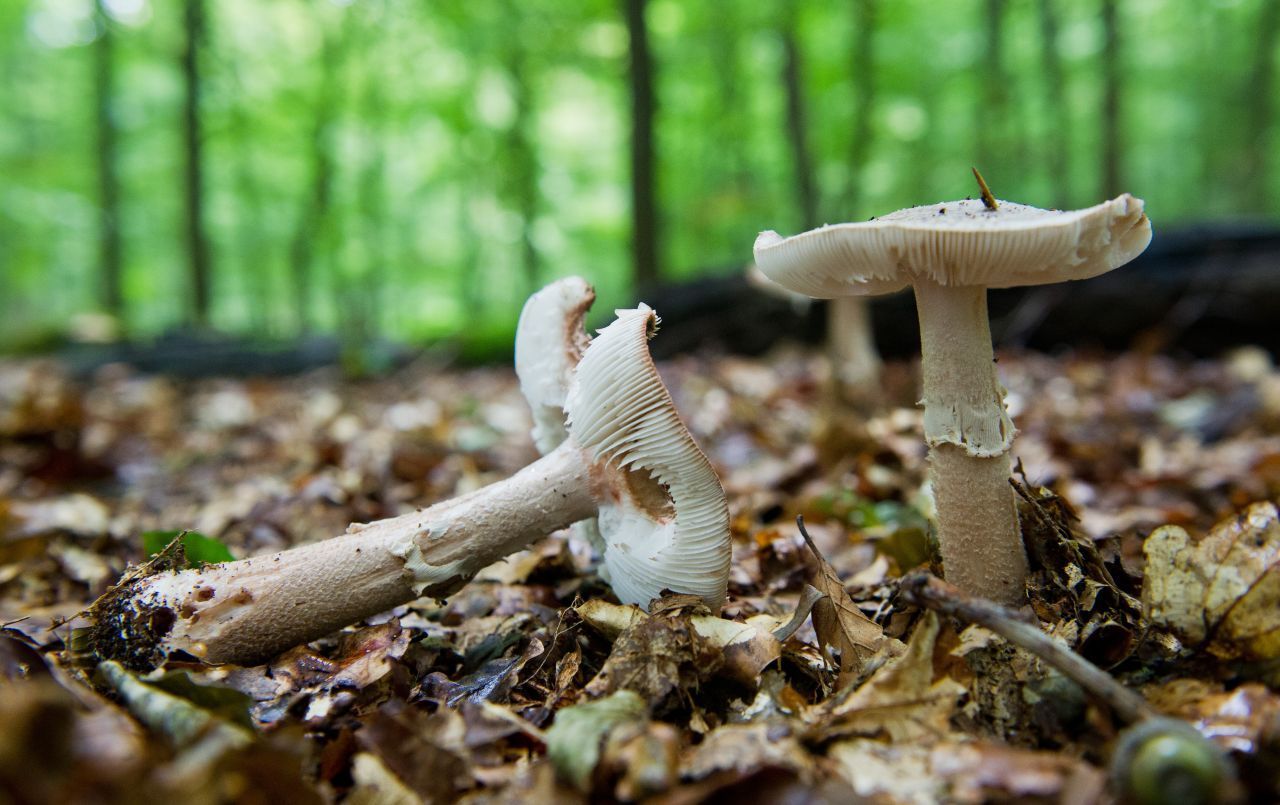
1222, 590
838, 621
747, 648
573, 741
901, 699
656, 658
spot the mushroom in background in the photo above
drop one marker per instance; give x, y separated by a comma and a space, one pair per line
950, 253
625, 459
851, 340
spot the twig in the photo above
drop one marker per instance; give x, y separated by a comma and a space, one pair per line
929, 591
988, 200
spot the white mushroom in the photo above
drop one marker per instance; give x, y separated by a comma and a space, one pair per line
950, 253
851, 339
627, 458
550, 340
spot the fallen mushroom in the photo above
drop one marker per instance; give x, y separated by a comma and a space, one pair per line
950, 253
627, 460
550, 340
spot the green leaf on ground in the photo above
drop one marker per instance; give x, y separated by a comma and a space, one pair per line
199, 549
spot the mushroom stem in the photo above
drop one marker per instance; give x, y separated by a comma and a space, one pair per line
852, 342
969, 435
247, 611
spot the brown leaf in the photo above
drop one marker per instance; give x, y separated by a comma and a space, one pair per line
423, 751
1222, 590
839, 623
902, 699
657, 657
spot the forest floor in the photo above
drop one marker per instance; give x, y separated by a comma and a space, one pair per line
516, 688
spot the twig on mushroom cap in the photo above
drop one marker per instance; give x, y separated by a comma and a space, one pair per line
988, 200
627, 458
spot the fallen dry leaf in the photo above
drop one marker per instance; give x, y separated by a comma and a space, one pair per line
1220, 592
903, 700
748, 648
838, 621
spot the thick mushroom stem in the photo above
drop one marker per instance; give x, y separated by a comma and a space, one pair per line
248, 611
969, 435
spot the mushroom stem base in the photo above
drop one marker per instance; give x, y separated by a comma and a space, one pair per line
978, 532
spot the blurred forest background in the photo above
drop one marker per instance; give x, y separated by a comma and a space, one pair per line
407, 170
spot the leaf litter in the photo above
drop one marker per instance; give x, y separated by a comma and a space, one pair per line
1145, 501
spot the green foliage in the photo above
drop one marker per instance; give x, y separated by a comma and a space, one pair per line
412, 170
199, 549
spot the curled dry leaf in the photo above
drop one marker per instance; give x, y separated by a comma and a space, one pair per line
656, 657
964, 773
901, 700
747, 648
573, 741
424, 753
839, 623
1221, 591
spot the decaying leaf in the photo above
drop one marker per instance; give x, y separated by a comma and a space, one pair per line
658, 656
1221, 591
747, 648
424, 753
745, 748
838, 621
1070, 582
902, 700
573, 741
641, 759
965, 773
376, 785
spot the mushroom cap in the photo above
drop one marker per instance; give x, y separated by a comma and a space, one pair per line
549, 343
957, 243
666, 523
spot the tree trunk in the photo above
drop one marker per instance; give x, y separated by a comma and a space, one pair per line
1111, 179
644, 211
313, 221
253, 245
523, 171
197, 237
797, 125
1057, 145
110, 257
1259, 111
373, 180
864, 85
990, 124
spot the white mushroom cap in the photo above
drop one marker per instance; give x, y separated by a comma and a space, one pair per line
550, 340
668, 524
957, 243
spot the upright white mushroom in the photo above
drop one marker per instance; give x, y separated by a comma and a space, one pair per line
851, 339
950, 253
627, 459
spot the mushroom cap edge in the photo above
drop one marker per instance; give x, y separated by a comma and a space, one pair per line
621, 412
965, 245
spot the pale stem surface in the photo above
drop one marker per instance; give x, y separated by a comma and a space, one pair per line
977, 514
855, 360
250, 610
